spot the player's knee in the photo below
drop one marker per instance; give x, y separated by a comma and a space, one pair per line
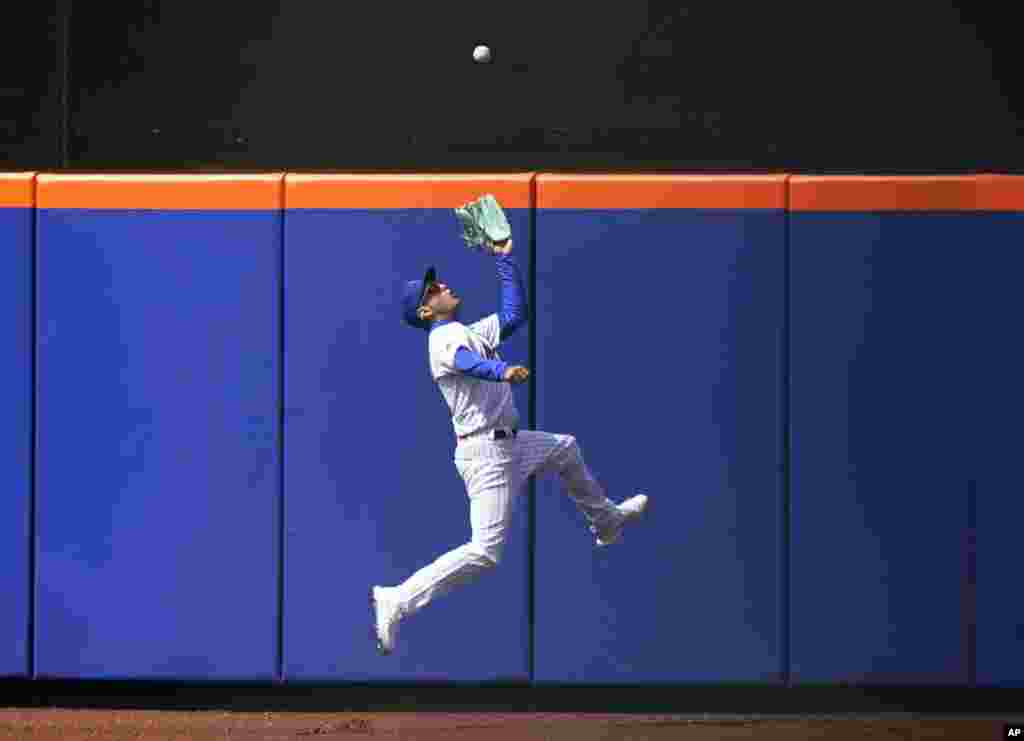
489, 553
570, 453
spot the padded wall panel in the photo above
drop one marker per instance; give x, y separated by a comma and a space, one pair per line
888, 293
994, 394
17, 195
659, 347
158, 475
371, 490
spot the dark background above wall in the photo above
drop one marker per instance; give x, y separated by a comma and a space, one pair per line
645, 86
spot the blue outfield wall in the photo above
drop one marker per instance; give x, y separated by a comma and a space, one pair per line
158, 475
660, 347
15, 437
236, 436
372, 492
884, 312
992, 389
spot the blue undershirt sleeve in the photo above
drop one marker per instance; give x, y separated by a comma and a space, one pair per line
514, 309
471, 364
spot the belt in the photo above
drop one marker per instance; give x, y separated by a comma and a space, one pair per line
497, 433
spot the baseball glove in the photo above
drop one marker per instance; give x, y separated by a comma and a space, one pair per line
483, 223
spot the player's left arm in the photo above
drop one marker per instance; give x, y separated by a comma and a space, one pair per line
514, 308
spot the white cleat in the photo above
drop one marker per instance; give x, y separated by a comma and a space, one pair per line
630, 509
386, 614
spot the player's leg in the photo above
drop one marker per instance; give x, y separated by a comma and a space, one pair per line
489, 485
543, 453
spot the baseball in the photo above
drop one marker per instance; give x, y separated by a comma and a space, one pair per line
482, 54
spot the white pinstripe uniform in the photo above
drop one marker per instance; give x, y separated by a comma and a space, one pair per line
494, 471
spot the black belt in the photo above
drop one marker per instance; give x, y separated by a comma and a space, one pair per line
493, 434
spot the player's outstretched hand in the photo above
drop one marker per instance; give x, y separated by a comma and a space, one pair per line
517, 374
503, 248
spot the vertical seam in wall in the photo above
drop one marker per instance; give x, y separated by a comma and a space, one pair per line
280, 438
30, 637
531, 289
971, 587
787, 676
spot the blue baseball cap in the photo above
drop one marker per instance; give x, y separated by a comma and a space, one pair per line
412, 299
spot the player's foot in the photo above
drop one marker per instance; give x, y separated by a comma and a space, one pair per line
386, 614
611, 532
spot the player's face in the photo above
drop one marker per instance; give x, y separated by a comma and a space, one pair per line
441, 298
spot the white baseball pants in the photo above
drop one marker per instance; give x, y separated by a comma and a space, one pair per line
495, 473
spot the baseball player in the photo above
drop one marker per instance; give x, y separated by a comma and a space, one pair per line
493, 456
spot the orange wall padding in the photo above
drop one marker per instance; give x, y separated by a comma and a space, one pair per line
373, 191
906, 193
552, 190
17, 190
661, 191
163, 192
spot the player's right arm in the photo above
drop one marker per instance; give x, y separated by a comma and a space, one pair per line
450, 353
471, 364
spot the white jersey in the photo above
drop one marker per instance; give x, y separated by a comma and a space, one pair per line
475, 404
